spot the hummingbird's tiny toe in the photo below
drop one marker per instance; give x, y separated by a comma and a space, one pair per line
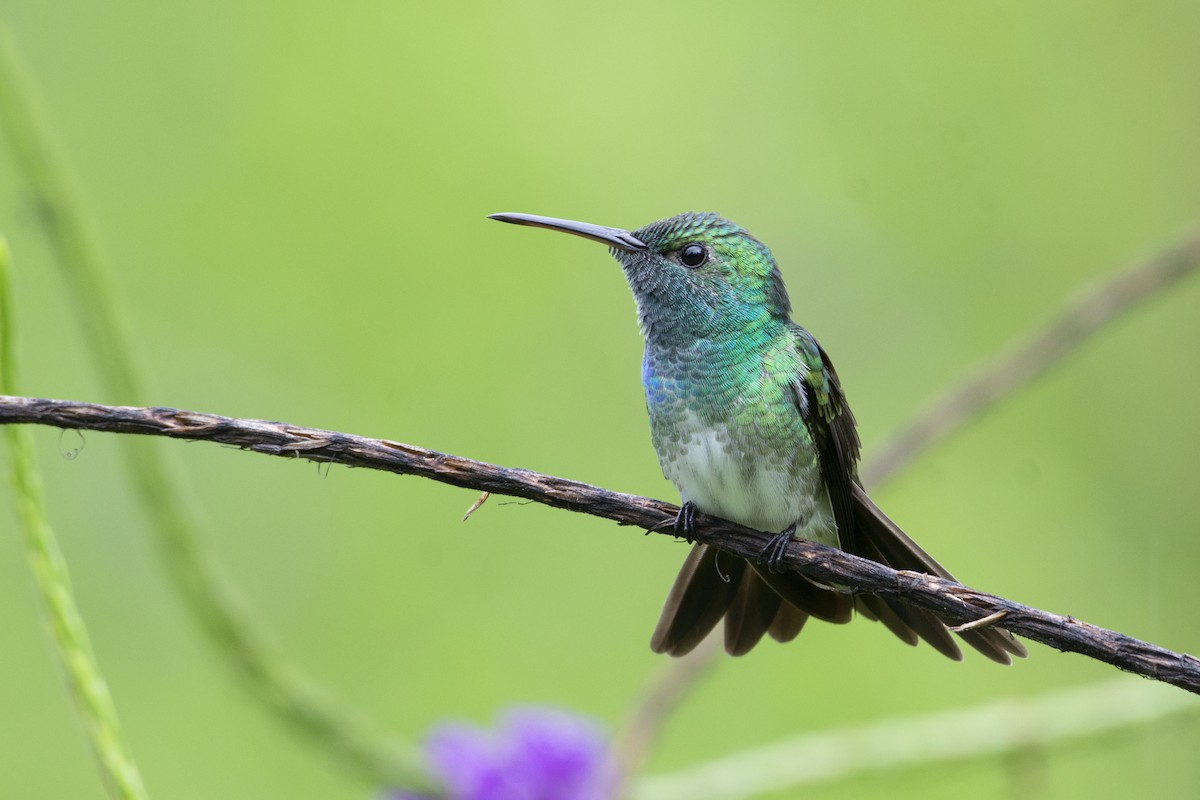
685, 522
772, 555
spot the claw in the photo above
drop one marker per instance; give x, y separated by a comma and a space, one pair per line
685, 522
772, 555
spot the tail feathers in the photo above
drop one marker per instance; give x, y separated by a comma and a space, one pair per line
753, 603
788, 623
700, 596
750, 615
711, 586
816, 601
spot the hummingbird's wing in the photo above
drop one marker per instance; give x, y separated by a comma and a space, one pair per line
818, 396
862, 528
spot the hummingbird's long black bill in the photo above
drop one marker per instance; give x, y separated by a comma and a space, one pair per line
613, 237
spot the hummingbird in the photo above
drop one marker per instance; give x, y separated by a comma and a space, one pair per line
749, 421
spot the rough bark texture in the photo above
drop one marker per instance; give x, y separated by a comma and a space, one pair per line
954, 602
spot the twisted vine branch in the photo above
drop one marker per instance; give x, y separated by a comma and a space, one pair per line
954, 602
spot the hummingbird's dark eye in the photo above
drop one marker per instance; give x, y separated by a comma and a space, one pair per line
693, 255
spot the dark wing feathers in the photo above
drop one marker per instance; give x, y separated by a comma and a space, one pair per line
819, 398
862, 528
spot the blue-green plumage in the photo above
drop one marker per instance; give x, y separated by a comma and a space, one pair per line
730, 436
749, 422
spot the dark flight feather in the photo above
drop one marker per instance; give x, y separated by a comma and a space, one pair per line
698, 599
751, 613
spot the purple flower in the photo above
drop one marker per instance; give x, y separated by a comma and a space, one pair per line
535, 754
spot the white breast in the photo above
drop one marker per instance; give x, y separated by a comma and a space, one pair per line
761, 493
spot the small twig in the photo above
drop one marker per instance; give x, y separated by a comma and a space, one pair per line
475, 506
951, 601
985, 622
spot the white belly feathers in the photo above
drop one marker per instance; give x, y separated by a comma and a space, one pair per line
760, 493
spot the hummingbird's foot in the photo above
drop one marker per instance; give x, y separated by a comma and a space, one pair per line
685, 522
772, 555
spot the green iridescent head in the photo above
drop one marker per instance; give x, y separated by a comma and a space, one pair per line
694, 275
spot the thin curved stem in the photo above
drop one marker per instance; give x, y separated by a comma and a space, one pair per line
296, 699
72, 644
669, 686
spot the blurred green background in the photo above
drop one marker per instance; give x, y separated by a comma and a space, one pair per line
293, 199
